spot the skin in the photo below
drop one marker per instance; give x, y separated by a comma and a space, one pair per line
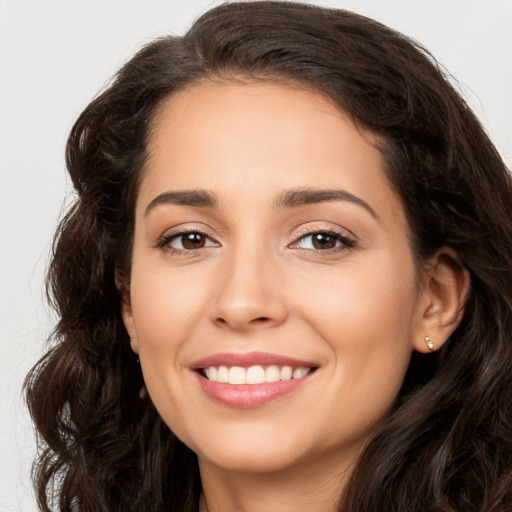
356, 309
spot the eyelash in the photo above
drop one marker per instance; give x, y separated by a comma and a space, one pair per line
165, 241
346, 242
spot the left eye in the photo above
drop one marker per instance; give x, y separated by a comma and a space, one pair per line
189, 241
322, 241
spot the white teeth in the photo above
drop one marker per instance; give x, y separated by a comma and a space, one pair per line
254, 374
272, 374
298, 373
222, 374
211, 373
286, 373
236, 375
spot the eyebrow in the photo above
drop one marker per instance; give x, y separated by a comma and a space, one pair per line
288, 199
197, 198
305, 196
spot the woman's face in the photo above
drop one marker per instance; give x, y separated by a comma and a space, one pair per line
269, 248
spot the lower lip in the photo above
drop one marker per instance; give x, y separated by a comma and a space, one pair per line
249, 395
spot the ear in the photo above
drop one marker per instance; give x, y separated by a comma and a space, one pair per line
445, 291
123, 285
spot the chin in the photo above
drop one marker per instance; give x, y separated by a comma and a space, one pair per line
253, 450
251, 460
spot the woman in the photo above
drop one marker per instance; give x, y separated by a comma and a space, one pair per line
285, 282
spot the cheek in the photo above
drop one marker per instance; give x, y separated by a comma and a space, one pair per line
165, 304
366, 320
365, 305
166, 308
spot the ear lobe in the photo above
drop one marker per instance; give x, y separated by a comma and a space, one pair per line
123, 285
446, 290
127, 314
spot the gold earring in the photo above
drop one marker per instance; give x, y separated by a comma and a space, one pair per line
430, 345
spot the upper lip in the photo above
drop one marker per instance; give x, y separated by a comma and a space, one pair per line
250, 359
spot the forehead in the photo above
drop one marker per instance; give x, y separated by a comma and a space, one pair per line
259, 137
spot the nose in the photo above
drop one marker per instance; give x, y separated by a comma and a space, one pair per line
249, 293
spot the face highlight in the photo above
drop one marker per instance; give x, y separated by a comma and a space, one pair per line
274, 297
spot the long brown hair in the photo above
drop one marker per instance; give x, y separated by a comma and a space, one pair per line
447, 446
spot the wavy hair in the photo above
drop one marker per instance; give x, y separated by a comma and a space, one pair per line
447, 445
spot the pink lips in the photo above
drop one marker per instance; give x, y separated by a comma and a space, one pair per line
249, 395
250, 359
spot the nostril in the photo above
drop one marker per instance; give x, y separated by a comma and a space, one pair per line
254, 322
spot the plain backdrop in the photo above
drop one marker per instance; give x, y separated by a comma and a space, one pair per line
55, 55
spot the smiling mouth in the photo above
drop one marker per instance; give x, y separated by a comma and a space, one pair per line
252, 379
253, 375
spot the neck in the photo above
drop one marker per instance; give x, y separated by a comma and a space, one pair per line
316, 487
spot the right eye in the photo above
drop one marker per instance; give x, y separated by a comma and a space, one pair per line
188, 241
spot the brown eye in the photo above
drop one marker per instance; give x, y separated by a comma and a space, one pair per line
323, 241
193, 241
190, 241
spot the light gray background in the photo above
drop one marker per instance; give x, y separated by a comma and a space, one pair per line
55, 55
